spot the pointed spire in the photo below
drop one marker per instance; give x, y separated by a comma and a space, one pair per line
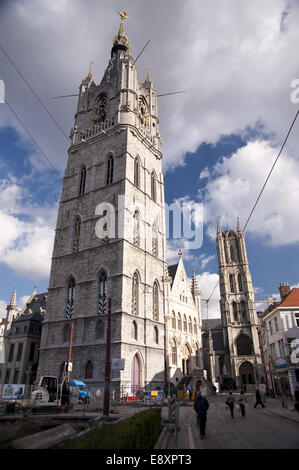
13, 301
194, 285
239, 229
121, 41
218, 229
148, 79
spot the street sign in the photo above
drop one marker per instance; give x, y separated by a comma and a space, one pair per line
70, 367
118, 364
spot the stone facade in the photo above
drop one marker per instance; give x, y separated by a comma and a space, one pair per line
242, 358
110, 236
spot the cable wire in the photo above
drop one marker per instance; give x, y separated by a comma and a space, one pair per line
35, 94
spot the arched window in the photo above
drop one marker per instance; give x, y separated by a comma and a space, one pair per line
179, 322
240, 284
243, 310
110, 164
70, 297
82, 181
195, 326
102, 292
235, 311
231, 283
89, 370
173, 325
232, 254
154, 186
136, 230
76, 240
66, 333
155, 302
135, 294
134, 330
190, 325
155, 239
185, 323
174, 358
137, 172
156, 335
99, 331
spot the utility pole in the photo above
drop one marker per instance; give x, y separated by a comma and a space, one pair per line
107, 365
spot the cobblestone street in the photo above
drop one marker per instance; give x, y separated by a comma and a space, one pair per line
268, 428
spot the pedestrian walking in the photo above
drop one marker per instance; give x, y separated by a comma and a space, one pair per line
230, 402
241, 402
258, 398
201, 406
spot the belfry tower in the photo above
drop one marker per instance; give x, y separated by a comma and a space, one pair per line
110, 233
238, 312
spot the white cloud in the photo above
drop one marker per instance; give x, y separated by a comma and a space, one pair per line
235, 184
3, 306
204, 260
207, 282
235, 59
25, 245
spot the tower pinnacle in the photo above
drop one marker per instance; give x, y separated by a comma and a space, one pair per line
13, 301
121, 41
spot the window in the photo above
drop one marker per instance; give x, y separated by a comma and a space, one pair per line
174, 353
276, 323
32, 351
135, 294
66, 333
244, 345
110, 170
89, 370
19, 355
185, 323
297, 319
134, 330
7, 376
99, 332
154, 186
281, 348
70, 298
195, 327
240, 283
179, 322
136, 230
156, 335
270, 327
190, 325
16, 376
272, 350
232, 254
173, 323
76, 239
155, 239
232, 284
82, 181
235, 311
11, 351
137, 172
102, 292
243, 310
155, 302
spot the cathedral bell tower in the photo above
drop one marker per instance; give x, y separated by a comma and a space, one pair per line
110, 233
237, 305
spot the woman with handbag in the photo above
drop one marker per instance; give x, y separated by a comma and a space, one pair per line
241, 402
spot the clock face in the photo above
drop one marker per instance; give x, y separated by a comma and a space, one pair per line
100, 108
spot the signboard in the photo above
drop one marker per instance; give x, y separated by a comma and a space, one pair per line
281, 364
205, 374
153, 397
13, 392
70, 367
118, 364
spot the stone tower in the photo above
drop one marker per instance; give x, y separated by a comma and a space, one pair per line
242, 354
110, 233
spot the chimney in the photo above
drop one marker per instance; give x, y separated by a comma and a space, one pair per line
284, 290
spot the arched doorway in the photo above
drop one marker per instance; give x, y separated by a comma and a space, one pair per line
136, 373
246, 373
186, 359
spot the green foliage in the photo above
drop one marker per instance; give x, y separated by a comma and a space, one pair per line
141, 431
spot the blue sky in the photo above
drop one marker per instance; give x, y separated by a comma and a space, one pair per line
219, 139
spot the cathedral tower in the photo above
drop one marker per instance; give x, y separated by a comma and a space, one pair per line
110, 233
237, 305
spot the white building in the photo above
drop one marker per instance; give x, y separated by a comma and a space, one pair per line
279, 330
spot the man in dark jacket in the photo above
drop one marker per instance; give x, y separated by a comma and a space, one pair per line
258, 397
201, 406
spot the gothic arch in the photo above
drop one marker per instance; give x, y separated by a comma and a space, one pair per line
244, 345
137, 369
135, 288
